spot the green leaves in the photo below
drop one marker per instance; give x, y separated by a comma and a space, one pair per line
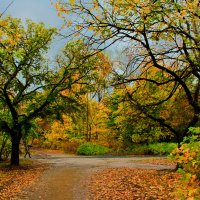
90, 149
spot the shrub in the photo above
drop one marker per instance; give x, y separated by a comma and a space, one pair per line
154, 148
188, 157
72, 145
92, 149
5, 147
162, 148
139, 149
46, 144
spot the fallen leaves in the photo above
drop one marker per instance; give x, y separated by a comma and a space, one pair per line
126, 183
157, 161
14, 180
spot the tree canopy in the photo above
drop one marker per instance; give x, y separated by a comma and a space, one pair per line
31, 85
163, 36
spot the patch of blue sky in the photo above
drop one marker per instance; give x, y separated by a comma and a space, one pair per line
37, 11
44, 11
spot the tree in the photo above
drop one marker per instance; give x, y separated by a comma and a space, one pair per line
162, 35
22, 72
30, 86
174, 114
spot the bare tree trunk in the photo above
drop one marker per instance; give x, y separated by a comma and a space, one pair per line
16, 137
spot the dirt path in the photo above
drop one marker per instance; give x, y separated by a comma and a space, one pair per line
67, 177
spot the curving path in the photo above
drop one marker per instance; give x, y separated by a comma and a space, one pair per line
67, 177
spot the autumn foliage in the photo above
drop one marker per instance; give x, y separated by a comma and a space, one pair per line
188, 159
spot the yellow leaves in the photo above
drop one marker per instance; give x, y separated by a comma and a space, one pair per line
69, 23
193, 6
96, 6
98, 17
66, 11
194, 177
97, 32
146, 10
183, 13
58, 6
79, 27
58, 129
103, 66
10, 37
3, 23
91, 9
71, 2
61, 9
12, 42
116, 8
188, 156
59, 14
91, 28
77, 34
191, 9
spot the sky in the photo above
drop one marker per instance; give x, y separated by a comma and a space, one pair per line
38, 11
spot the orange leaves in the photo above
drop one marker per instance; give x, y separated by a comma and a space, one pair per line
133, 184
158, 161
9, 36
12, 181
69, 23
79, 27
103, 65
116, 8
60, 9
3, 23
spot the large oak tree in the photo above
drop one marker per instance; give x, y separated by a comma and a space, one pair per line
31, 86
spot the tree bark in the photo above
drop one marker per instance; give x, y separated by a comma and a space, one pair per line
16, 137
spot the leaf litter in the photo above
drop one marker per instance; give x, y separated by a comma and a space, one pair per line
14, 179
140, 184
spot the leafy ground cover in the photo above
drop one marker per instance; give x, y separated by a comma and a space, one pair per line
14, 179
126, 183
157, 161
